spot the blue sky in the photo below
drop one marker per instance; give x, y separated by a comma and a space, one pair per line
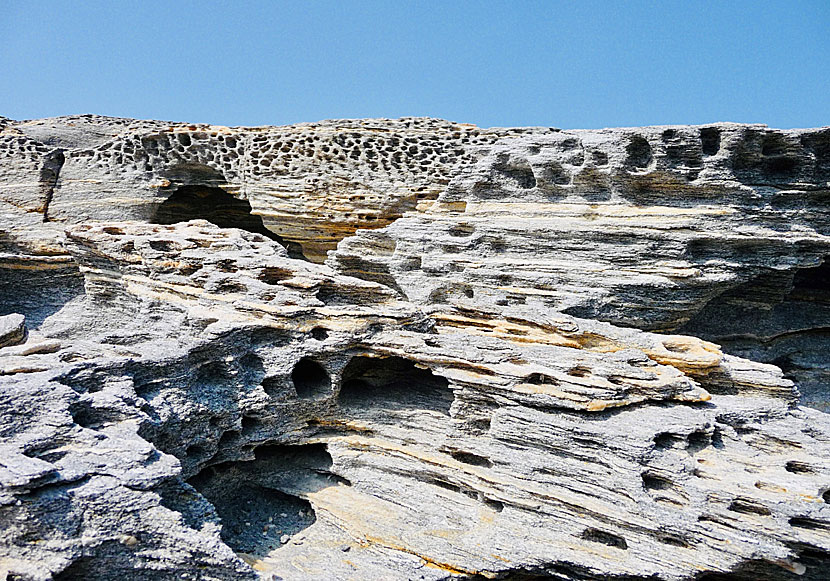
565, 64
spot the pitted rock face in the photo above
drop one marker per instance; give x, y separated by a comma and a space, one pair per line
312, 184
471, 386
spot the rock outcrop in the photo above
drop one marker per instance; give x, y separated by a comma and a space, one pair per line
413, 349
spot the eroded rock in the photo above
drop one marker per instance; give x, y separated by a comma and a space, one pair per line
470, 389
12, 329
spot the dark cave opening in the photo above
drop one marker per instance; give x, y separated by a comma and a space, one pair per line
393, 381
252, 517
310, 379
780, 317
212, 204
217, 207
812, 284
259, 502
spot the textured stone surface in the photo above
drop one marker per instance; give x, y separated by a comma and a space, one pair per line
12, 329
533, 354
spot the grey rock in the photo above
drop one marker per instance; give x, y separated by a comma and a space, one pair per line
12, 330
495, 374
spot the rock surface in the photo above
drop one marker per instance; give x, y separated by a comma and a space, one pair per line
529, 354
12, 329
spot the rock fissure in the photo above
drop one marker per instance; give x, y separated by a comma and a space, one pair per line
49, 175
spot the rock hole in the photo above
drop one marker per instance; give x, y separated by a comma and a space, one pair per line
37, 294
195, 450
809, 523
717, 438
666, 440
638, 152
773, 144
541, 379
229, 287
697, 440
462, 230
165, 245
797, 467
826, 496
676, 346
274, 275
654, 482
579, 371
212, 204
83, 415
319, 334
228, 439
518, 174
710, 140
84, 380
393, 382
494, 504
788, 305
604, 537
746, 506
78, 570
470, 458
260, 501
446, 486
812, 284
310, 379
249, 423
599, 157
329, 294
255, 519
779, 157
673, 540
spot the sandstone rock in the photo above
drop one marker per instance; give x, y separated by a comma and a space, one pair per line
533, 354
12, 329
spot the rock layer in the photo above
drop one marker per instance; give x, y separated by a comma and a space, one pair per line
494, 374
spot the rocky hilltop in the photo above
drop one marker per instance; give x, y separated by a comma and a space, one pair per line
413, 349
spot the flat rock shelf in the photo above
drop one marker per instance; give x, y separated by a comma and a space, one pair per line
413, 349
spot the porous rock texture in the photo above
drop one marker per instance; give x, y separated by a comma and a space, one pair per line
413, 349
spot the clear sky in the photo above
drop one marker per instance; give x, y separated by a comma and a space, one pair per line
566, 64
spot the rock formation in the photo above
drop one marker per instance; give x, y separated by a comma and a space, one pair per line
413, 349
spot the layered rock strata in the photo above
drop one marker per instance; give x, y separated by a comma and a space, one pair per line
496, 377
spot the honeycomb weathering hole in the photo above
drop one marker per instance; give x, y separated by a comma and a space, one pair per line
310, 379
393, 382
604, 537
639, 154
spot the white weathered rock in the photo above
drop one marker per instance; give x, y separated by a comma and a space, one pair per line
12, 329
472, 389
